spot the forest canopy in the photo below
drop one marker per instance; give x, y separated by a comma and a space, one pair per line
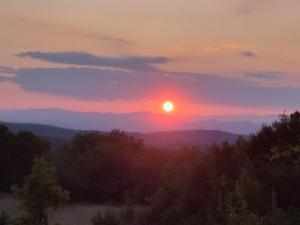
254, 181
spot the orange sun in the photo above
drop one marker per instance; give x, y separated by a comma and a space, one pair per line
168, 106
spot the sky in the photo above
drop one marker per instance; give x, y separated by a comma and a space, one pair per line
210, 57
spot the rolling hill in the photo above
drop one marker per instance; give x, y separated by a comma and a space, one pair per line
164, 139
143, 122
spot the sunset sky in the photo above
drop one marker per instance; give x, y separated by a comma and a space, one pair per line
209, 57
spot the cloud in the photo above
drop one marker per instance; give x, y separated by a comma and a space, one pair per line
6, 72
89, 83
56, 28
263, 75
111, 39
95, 84
212, 49
248, 54
221, 47
134, 63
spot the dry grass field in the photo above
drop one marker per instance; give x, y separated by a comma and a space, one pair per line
73, 214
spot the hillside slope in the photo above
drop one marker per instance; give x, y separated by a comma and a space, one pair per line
143, 122
164, 139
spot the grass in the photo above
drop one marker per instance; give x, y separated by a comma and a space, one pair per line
73, 214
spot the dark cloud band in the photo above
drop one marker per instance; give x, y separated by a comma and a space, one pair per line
263, 75
94, 84
85, 59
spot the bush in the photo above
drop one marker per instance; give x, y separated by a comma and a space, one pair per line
40, 192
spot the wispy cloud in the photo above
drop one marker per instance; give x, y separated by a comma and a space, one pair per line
62, 29
264, 75
248, 54
116, 40
221, 47
134, 63
6, 72
212, 49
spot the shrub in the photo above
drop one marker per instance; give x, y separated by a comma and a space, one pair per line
40, 192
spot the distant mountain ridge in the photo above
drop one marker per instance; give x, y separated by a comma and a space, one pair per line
187, 138
135, 122
41, 130
167, 139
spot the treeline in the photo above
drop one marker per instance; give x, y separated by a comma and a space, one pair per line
110, 168
17, 152
255, 181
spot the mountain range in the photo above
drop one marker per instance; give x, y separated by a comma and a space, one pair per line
166, 139
159, 130
135, 121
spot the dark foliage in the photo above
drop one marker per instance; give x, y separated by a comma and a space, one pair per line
17, 152
39, 193
108, 167
233, 184
255, 181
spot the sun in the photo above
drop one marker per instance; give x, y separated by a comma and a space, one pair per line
168, 106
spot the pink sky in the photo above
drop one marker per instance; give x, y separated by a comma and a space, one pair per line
248, 41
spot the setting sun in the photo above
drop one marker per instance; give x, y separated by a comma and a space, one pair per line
168, 106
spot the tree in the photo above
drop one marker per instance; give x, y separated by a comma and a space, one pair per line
40, 192
100, 167
281, 135
7, 154
238, 210
17, 153
276, 215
